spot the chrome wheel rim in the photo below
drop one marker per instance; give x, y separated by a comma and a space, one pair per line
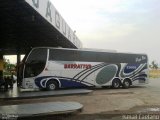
116, 84
126, 83
52, 86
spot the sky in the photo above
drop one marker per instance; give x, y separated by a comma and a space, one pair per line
122, 25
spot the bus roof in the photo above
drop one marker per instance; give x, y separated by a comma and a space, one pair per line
92, 50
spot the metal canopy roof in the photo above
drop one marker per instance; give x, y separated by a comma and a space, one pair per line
22, 27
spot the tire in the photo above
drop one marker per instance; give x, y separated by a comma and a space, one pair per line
126, 83
51, 85
116, 84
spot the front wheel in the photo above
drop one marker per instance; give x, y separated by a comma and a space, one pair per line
51, 85
116, 83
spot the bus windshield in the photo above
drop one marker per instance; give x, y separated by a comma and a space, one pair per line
35, 62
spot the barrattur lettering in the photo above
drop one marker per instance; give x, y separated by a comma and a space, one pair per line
77, 66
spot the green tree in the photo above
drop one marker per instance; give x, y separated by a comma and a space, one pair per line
8, 67
154, 65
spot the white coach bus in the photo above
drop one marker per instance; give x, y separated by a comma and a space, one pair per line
53, 68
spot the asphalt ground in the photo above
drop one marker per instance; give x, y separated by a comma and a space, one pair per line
107, 104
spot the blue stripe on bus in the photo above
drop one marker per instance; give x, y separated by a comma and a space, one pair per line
65, 82
140, 78
76, 80
38, 81
69, 83
83, 72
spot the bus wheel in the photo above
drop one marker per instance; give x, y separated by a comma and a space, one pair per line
126, 83
51, 85
116, 83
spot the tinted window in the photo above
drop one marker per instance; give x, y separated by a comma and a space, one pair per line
91, 56
62, 55
36, 62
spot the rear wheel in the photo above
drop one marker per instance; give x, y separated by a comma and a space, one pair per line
116, 83
126, 83
52, 85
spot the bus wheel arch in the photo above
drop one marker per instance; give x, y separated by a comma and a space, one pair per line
116, 83
126, 83
52, 84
